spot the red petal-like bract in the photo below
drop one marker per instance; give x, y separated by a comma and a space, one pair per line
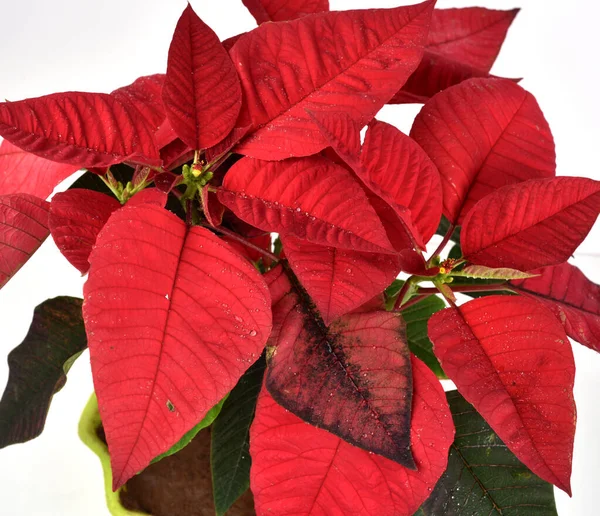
510, 358
82, 129
483, 134
353, 61
352, 378
339, 280
168, 335
404, 185
145, 94
300, 469
23, 228
462, 43
23, 172
533, 224
202, 93
76, 218
149, 196
212, 208
310, 198
571, 296
282, 10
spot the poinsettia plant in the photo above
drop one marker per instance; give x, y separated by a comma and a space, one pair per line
242, 239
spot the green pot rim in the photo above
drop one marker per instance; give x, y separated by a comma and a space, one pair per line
88, 424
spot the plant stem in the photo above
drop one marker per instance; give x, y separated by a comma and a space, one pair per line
242, 240
468, 288
443, 243
416, 299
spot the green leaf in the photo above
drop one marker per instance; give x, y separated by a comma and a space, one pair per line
483, 476
482, 272
208, 420
416, 317
230, 446
38, 368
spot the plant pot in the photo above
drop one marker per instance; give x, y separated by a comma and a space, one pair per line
180, 484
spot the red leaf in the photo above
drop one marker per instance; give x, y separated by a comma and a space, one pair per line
202, 93
23, 228
282, 10
352, 378
22, 172
287, 68
173, 317
166, 181
510, 358
149, 196
404, 186
339, 280
262, 241
300, 469
76, 218
483, 134
310, 198
533, 224
573, 298
145, 94
212, 208
83, 129
462, 44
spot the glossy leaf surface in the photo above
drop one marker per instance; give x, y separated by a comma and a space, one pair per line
230, 440
23, 228
483, 476
23, 172
311, 198
76, 218
339, 280
483, 134
168, 338
352, 378
297, 468
38, 368
574, 299
511, 359
531, 225
82, 129
288, 68
282, 10
202, 93
462, 43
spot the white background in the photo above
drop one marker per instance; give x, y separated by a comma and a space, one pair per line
62, 45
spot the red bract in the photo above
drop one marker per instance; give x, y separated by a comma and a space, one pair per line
511, 359
23, 228
313, 199
76, 218
537, 223
145, 94
168, 339
462, 44
297, 468
191, 173
281, 10
287, 68
571, 296
402, 184
82, 129
21, 172
339, 280
352, 378
483, 134
202, 93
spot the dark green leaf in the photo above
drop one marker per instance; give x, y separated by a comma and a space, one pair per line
230, 449
38, 367
211, 415
416, 317
483, 476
